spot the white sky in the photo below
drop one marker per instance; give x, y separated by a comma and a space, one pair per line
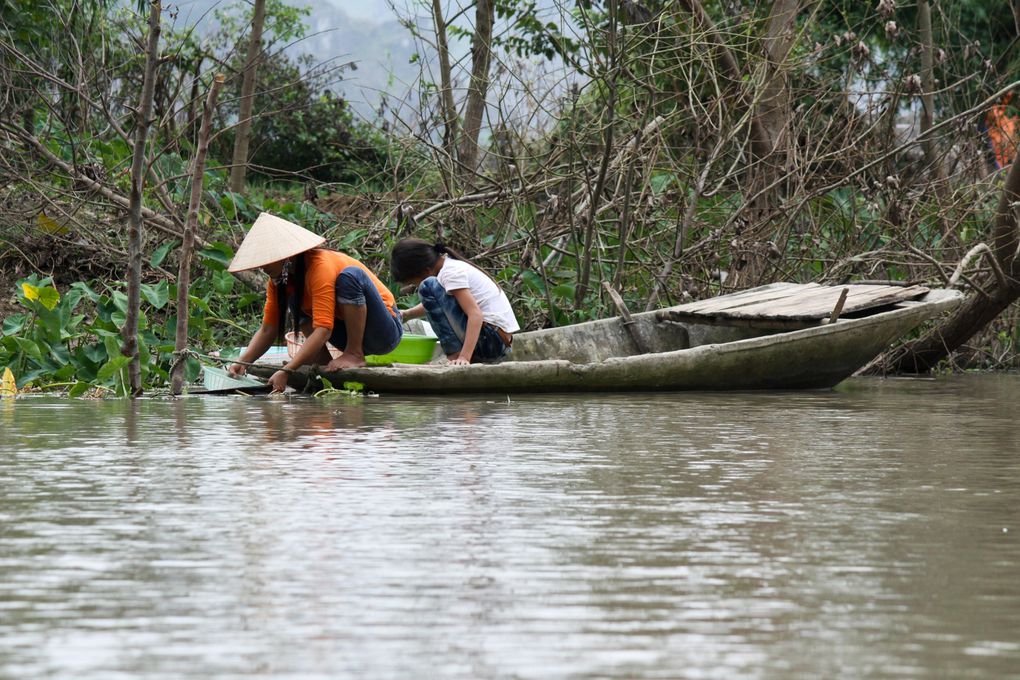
376, 11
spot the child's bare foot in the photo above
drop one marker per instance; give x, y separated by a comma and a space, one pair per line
346, 360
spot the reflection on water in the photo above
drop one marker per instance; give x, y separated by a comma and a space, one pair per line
866, 532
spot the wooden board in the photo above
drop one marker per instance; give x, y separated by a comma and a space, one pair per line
774, 292
795, 302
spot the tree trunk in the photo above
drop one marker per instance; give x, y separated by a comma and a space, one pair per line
928, 89
728, 65
481, 55
773, 111
771, 149
239, 163
142, 120
188, 244
770, 139
587, 245
446, 104
923, 354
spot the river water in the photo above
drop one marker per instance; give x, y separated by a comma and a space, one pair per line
868, 532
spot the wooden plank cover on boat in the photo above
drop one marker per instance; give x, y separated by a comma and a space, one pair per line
798, 302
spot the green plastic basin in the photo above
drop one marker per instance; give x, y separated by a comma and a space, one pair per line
413, 349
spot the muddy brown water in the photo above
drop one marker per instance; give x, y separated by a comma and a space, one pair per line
868, 532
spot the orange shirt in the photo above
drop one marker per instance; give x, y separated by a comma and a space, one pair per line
1003, 131
319, 299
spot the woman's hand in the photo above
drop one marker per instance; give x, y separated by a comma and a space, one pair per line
279, 381
237, 370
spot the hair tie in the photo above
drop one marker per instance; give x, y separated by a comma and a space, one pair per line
440, 248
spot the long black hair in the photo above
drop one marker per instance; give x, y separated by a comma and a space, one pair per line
290, 291
413, 258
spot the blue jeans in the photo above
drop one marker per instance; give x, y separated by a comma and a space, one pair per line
449, 322
382, 329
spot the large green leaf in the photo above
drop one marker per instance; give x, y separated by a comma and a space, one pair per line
156, 295
216, 255
223, 282
30, 348
78, 389
161, 252
120, 301
49, 297
26, 378
96, 353
14, 323
86, 290
110, 368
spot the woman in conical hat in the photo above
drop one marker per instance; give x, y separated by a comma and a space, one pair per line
330, 296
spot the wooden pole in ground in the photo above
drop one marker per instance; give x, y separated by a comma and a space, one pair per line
625, 318
190, 225
143, 117
838, 309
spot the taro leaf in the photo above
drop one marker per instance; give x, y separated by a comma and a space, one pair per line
71, 299
229, 207
84, 288
661, 181
216, 255
29, 348
192, 368
50, 323
156, 295
112, 344
60, 355
29, 291
78, 389
199, 303
110, 368
14, 323
223, 282
249, 298
120, 301
533, 281
564, 290
63, 374
160, 253
30, 376
49, 297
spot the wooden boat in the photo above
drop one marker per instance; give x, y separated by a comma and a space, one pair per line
779, 336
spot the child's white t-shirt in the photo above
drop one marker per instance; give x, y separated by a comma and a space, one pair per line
495, 306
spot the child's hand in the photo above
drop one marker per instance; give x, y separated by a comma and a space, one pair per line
237, 370
459, 361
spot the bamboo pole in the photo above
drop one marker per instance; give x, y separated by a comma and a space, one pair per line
190, 225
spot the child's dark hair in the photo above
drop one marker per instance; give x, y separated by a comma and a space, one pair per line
412, 258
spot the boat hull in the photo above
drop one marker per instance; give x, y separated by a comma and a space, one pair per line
816, 357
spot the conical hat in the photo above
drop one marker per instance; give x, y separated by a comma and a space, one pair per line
272, 239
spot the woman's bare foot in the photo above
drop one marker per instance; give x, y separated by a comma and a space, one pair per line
346, 360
